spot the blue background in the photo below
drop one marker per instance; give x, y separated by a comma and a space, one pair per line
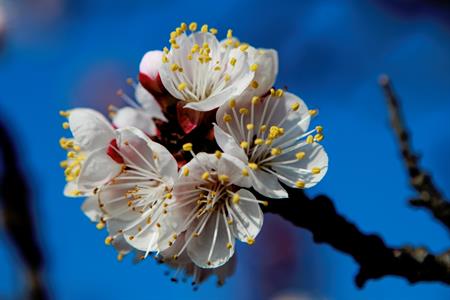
60, 54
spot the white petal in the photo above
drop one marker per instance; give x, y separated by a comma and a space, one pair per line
149, 103
232, 167
228, 145
267, 184
316, 157
265, 75
214, 236
250, 215
97, 169
128, 116
91, 209
90, 129
135, 149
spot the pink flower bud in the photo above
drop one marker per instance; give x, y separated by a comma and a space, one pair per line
149, 71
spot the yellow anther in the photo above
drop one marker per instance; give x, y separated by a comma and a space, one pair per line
183, 26
218, 154
295, 106
229, 34
275, 151
76, 193
232, 61
63, 113
189, 57
230, 221
182, 86
174, 67
255, 100
100, 225
315, 170
252, 166
268, 142
168, 196
76, 148
63, 164
193, 26
319, 137
244, 145
250, 240
71, 154
254, 84
236, 198
319, 129
179, 31
165, 59
187, 147
205, 175
213, 31
244, 47
259, 141
275, 132
229, 246
227, 118
279, 93
254, 67
243, 111
309, 139
217, 68
65, 125
204, 28
265, 203
185, 171
223, 179
244, 172
195, 48
300, 155
108, 240
300, 184
232, 103
313, 112
263, 128
166, 50
120, 257
131, 237
227, 77
173, 35
272, 91
250, 126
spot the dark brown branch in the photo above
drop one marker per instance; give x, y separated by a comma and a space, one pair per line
17, 217
429, 196
374, 258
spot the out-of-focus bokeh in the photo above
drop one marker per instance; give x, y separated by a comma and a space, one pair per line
57, 54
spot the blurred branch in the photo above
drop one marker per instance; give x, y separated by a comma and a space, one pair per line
429, 196
374, 257
17, 216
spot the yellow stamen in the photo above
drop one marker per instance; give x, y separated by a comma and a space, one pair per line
244, 145
315, 170
244, 172
205, 175
300, 155
295, 106
250, 126
193, 26
227, 118
300, 184
236, 198
252, 166
250, 240
182, 86
218, 154
254, 67
65, 125
187, 147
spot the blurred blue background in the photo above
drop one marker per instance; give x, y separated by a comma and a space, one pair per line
57, 54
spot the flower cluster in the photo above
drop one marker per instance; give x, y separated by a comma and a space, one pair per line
181, 172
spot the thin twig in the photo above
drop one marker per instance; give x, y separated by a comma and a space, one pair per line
429, 196
374, 258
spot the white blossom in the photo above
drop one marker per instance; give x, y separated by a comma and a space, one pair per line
213, 209
270, 135
135, 203
87, 165
198, 71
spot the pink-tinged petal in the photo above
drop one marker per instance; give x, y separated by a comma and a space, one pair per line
188, 119
149, 71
